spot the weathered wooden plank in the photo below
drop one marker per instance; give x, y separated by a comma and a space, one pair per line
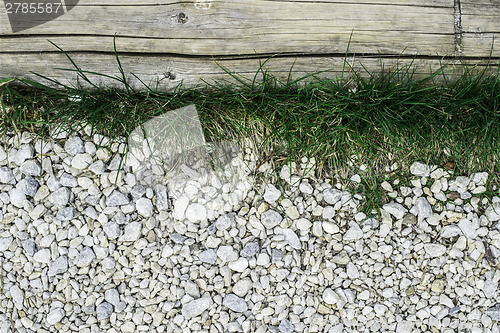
177, 41
197, 73
480, 23
244, 27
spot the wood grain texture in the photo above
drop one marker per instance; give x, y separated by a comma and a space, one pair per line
170, 72
186, 37
480, 23
244, 27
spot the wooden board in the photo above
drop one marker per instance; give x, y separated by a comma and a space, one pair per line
243, 27
480, 23
185, 37
172, 71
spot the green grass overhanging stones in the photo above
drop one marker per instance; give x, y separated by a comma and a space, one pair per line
375, 128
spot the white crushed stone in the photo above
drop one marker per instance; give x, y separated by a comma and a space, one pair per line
201, 252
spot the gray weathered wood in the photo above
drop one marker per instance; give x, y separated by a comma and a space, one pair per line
184, 38
480, 23
244, 27
197, 73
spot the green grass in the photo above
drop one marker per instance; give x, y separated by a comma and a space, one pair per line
391, 119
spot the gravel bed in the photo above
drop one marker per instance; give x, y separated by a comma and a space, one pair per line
197, 251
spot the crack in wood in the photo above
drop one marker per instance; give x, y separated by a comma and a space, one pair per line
259, 56
366, 3
458, 27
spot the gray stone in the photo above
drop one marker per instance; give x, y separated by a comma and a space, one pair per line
286, 326
480, 178
66, 214
270, 218
462, 183
85, 257
276, 255
306, 188
420, 169
227, 253
435, 250
17, 197
354, 233
3, 154
60, 265
144, 207
90, 309
339, 328
55, 316
467, 228
405, 327
108, 263
28, 186
167, 251
224, 222
104, 310
342, 258
120, 218
178, 238
161, 194
466, 195
180, 206
332, 196
492, 213
6, 175
112, 230
28, 246
112, 296
115, 163
74, 145
60, 132
138, 191
395, 209
68, 180
409, 219
91, 212
98, 167
250, 249
352, 271
490, 288
17, 297
5, 243
333, 298
92, 200
196, 307
42, 256
60, 197
117, 198
235, 303
286, 172
132, 232
192, 289
450, 231
493, 312
272, 193
242, 287
81, 161
208, 256
196, 212
23, 153
424, 209
53, 183
290, 237
495, 252
30, 168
